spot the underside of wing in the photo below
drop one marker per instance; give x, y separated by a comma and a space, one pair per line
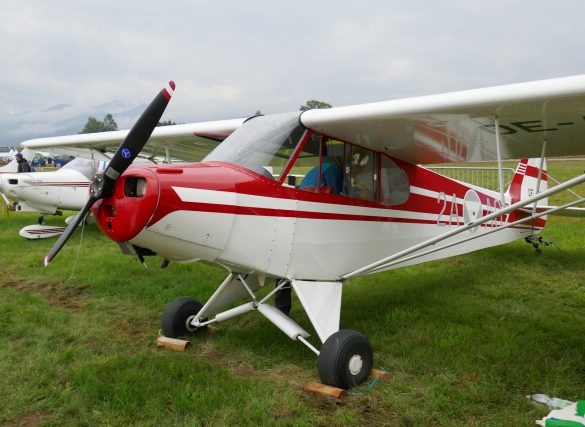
460, 126
186, 142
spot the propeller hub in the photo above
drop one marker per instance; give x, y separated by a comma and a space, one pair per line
97, 185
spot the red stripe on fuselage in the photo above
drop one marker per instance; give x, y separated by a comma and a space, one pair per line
232, 179
58, 184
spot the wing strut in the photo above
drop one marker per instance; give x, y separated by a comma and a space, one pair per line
470, 225
512, 224
499, 154
540, 168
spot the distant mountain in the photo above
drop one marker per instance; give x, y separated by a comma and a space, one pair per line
58, 107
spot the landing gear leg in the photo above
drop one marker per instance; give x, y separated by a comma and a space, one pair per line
345, 359
282, 298
41, 220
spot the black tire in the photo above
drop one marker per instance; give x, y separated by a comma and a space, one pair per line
345, 360
175, 316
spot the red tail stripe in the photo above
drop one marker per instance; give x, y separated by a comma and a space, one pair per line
532, 171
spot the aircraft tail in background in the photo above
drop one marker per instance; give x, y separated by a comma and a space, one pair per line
12, 167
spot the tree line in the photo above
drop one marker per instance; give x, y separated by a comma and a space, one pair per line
94, 125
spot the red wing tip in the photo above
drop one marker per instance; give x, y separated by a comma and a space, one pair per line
172, 84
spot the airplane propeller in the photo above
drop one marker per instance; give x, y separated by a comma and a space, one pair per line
102, 184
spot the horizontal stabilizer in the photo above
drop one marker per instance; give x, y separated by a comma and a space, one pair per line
574, 212
37, 231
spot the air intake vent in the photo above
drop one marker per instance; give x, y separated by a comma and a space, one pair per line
135, 187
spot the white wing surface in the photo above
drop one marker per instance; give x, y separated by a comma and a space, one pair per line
186, 142
459, 126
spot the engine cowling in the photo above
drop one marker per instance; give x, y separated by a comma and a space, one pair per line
127, 212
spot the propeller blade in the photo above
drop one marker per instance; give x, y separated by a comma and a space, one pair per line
102, 185
69, 231
134, 141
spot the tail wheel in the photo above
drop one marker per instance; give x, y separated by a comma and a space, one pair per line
175, 321
345, 359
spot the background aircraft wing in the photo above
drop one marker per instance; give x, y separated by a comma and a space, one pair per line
574, 212
459, 126
186, 142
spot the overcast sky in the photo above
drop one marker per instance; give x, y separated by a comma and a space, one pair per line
63, 59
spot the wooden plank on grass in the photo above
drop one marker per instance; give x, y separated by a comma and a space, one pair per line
325, 390
172, 343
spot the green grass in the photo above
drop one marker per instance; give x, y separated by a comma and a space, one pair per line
465, 340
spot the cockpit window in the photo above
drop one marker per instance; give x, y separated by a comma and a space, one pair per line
86, 167
263, 144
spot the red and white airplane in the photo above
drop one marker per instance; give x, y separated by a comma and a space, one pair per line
365, 205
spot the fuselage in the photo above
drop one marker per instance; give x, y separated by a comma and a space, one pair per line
46, 192
235, 217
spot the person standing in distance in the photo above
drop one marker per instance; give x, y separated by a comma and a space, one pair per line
23, 165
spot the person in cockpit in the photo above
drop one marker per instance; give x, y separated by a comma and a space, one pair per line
331, 175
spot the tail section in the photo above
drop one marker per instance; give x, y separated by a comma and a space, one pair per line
525, 184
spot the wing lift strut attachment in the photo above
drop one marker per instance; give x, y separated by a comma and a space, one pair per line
409, 254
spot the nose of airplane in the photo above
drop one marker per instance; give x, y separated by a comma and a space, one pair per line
124, 214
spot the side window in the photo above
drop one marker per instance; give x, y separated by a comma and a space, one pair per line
395, 187
318, 166
359, 177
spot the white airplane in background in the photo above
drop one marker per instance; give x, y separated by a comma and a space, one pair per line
48, 193
12, 167
368, 206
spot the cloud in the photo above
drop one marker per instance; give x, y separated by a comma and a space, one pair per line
229, 60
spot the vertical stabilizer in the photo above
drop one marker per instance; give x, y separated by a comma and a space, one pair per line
12, 167
526, 184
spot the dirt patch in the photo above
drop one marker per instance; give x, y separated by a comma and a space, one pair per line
241, 368
360, 400
72, 298
30, 420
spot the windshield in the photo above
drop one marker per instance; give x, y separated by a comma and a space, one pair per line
85, 166
263, 144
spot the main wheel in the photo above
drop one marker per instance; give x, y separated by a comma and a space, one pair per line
176, 317
345, 360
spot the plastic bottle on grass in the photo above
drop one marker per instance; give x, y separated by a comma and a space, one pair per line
551, 402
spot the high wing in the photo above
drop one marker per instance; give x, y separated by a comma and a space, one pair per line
186, 142
459, 126
450, 127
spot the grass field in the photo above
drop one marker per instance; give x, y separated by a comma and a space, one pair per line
464, 339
